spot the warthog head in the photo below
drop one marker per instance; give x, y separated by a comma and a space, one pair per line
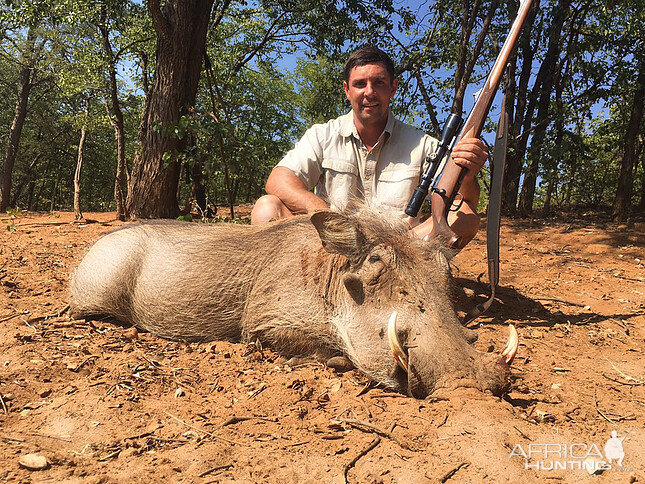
393, 311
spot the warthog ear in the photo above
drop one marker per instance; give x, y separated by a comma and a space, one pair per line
339, 234
354, 286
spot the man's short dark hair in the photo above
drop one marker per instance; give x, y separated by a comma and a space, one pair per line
369, 55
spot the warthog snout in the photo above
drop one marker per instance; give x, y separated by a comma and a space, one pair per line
475, 369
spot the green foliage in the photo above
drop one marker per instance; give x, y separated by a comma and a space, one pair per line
321, 93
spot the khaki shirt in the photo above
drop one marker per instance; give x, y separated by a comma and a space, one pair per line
332, 160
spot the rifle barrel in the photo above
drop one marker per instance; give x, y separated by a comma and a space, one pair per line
450, 181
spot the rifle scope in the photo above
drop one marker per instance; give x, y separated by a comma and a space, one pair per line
450, 130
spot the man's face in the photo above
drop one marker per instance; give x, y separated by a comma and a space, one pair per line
370, 90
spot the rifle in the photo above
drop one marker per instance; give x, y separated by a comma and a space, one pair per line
449, 174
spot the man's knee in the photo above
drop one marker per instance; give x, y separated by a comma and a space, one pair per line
267, 208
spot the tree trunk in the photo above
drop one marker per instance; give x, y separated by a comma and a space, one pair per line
52, 203
27, 180
571, 179
30, 194
13, 139
116, 119
623, 200
78, 214
515, 157
641, 205
228, 184
466, 61
181, 37
549, 194
42, 185
545, 78
198, 187
145, 83
250, 185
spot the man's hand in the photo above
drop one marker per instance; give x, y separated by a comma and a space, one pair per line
470, 153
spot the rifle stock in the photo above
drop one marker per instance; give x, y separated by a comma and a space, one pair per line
448, 185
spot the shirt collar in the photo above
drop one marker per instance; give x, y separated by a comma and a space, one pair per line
347, 127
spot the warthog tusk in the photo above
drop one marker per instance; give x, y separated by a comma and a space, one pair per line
397, 350
511, 346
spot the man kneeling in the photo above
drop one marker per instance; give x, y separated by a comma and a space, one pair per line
367, 154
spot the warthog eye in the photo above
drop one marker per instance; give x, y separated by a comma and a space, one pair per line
374, 258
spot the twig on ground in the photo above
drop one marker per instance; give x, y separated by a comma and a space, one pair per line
4, 406
242, 418
564, 301
522, 433
367, 409
621, 324
258, 391
111, 455
620, 418
352, 463
83, 363
364, 390
7, 318
595, 401
55, 437
296, 444
367, 427
215, 469
210, 434
8, 438
448, 475
55, 314
445, 419
624, 375
392, 395
637, 384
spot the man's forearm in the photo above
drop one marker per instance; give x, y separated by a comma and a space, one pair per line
469, 191
284, 184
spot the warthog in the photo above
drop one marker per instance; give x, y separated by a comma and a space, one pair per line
320, 285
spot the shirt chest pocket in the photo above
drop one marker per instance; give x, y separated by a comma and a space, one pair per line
395, 187
339, 183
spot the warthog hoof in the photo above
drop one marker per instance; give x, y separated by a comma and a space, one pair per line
340, 363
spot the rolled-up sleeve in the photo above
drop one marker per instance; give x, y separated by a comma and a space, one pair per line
305, 159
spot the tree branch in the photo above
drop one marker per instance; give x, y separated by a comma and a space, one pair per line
220, 15
267, 36
125, 48
426, 99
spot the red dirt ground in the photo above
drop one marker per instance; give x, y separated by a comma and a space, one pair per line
105, 405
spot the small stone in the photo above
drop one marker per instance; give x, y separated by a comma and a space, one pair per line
179, 392
335, 386
469, 292
33, 462
45, 393
131, 334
